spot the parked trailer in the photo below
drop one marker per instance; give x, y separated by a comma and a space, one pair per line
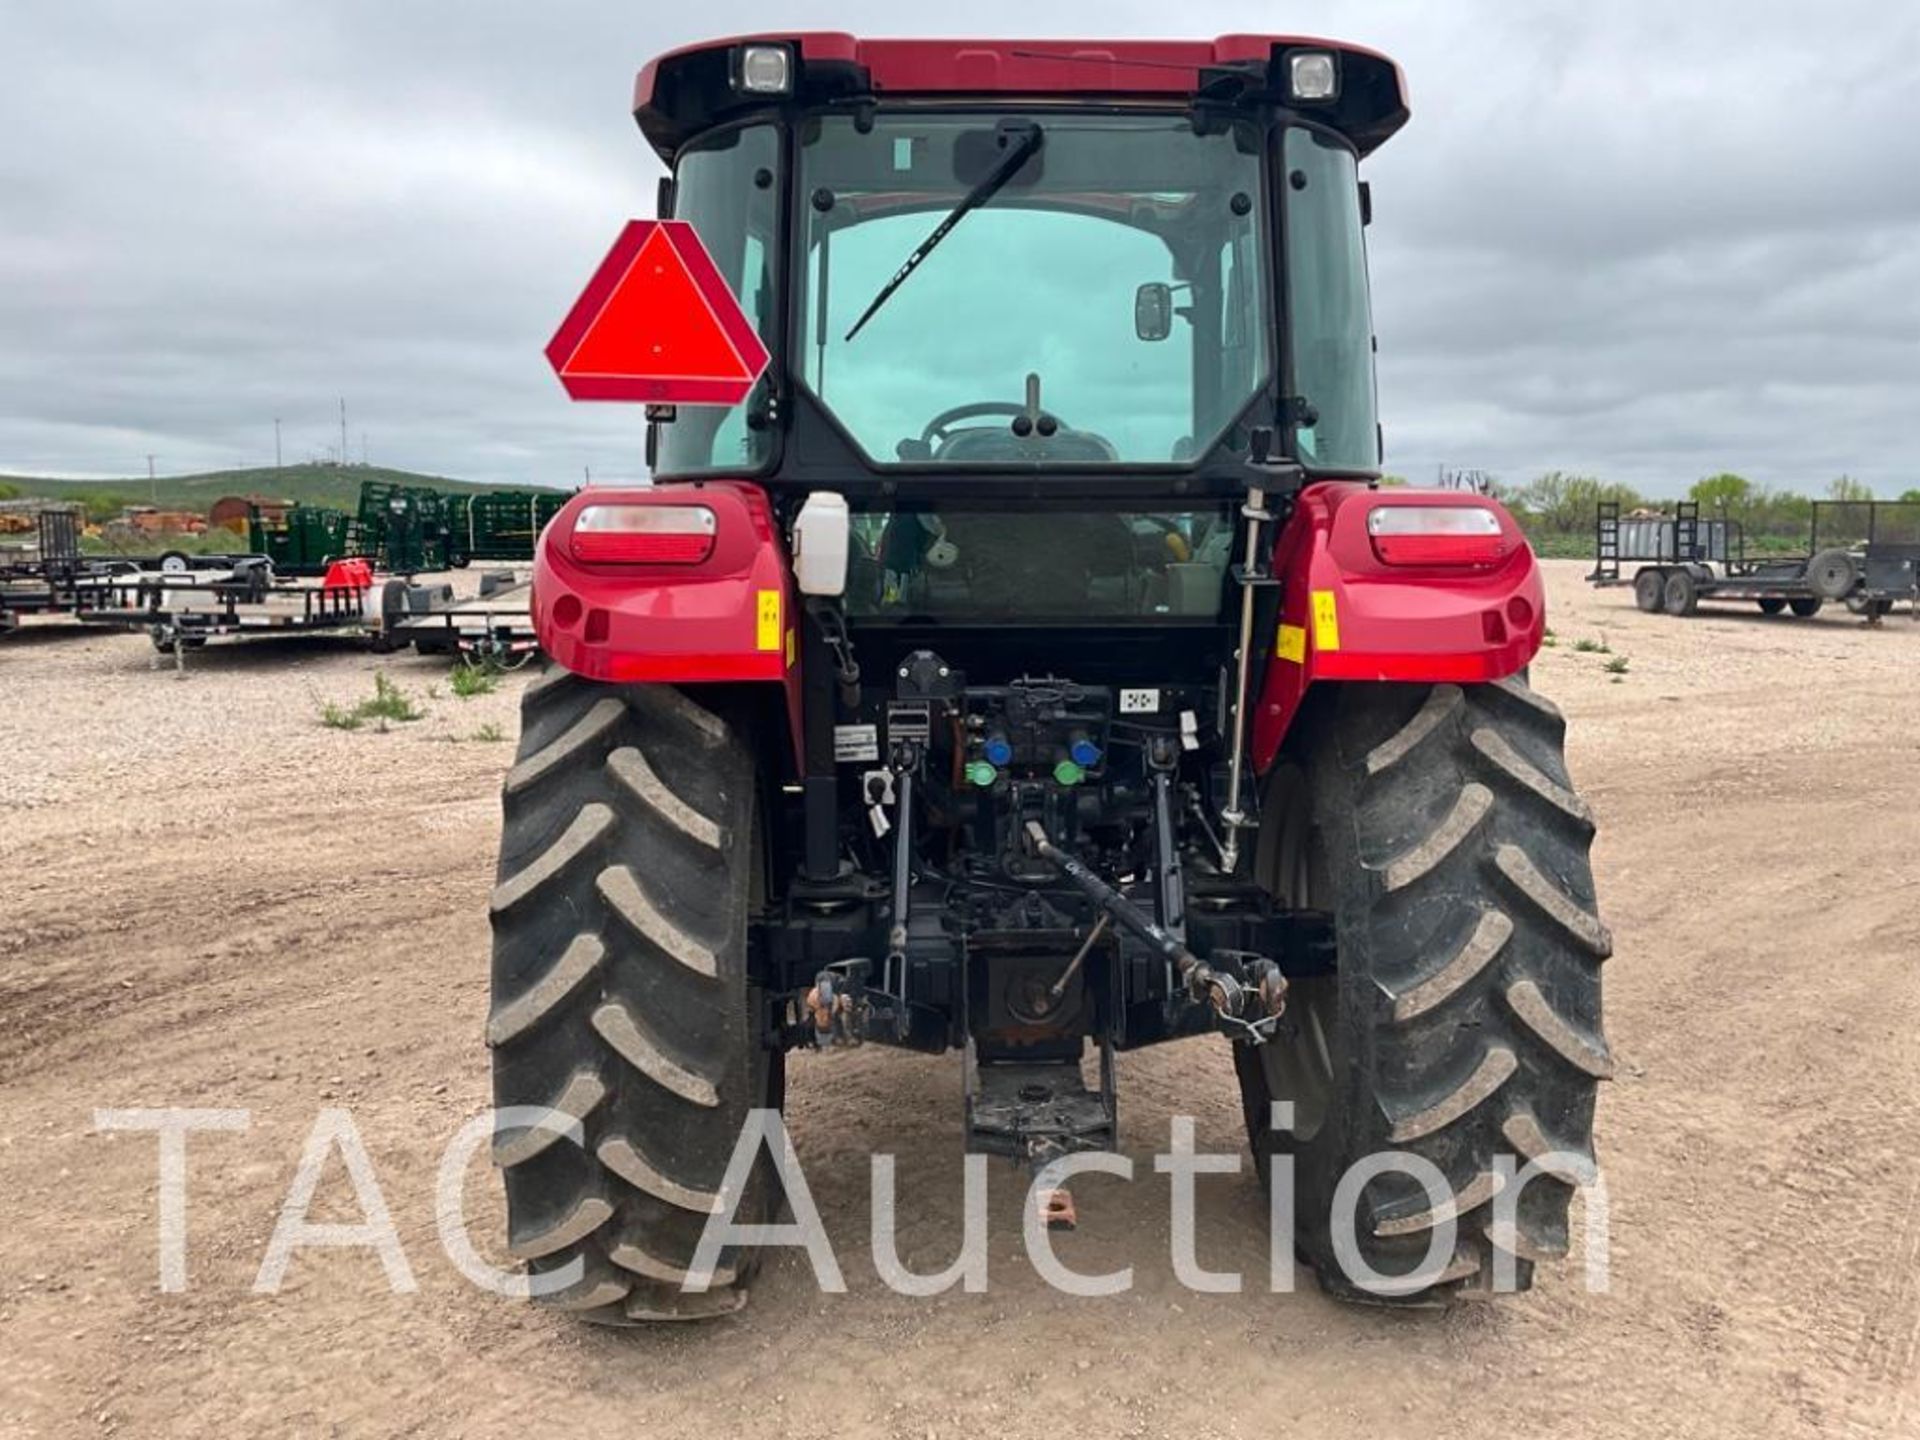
1864, 554
496, 625
183, 611
1882, 539
53, 576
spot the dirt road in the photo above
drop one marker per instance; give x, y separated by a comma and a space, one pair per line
209, 900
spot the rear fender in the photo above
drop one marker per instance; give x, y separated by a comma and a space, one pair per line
723, 620
1346, 615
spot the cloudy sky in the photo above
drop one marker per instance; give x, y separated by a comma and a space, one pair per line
1645, 239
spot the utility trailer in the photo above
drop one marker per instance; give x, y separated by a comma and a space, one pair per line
183, 611
54, 577
496, 626
1864, 554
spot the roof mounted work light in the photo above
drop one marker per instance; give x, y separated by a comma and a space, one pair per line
1313, 76
763, 69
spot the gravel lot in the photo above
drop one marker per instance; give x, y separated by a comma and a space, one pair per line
207, 899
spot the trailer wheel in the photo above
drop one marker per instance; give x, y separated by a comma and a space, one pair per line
1650, 591
1462, 1023
1806, 607
621, 996
1832, 574
1683, 595
1771, 605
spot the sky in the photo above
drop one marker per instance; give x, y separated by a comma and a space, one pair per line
1643, 240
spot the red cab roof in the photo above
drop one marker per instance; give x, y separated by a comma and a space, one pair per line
685, 91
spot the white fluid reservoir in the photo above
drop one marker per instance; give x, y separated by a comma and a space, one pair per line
821, 536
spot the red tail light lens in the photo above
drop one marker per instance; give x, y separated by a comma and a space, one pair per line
643, 534
1437, 535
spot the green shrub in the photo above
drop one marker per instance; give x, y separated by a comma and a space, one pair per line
470, 680
389, 702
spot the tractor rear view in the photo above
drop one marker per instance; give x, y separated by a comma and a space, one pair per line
1029, 668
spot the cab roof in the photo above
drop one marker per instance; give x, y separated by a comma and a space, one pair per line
690, 90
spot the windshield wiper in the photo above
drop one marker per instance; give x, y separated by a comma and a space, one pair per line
1026, 144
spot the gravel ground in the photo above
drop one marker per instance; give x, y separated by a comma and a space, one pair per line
208, 899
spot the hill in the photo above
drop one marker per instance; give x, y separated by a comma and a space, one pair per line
334, 485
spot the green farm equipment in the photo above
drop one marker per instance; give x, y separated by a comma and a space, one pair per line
302, 539
412, 530
405, 529
501, 524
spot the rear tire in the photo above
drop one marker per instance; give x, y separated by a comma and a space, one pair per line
1772, 605
1438, 826
1682, 594
1806, 608
621, 995
1650, 591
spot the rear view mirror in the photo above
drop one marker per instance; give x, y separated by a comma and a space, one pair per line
1153, 311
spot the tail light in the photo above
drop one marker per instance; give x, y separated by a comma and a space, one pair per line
1437, 535
643, 534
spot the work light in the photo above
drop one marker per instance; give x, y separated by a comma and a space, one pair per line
1312, 75
763, 70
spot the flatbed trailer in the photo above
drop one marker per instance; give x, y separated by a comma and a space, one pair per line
1863, 554
496, 625
182, 611
54, 577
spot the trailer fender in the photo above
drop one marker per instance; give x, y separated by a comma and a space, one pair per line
700, 596
1348, 614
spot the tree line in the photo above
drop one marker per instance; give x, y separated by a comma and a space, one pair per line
1557, 510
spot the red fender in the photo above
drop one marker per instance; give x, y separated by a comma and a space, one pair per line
722, 619
1347, 615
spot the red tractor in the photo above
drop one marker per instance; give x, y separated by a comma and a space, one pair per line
1032, 666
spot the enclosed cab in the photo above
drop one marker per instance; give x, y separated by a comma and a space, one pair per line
1030, 667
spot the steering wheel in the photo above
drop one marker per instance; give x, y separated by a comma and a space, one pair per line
936, 428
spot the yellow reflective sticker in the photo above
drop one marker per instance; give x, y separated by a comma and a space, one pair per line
769, 632
1293, 644
1326, 621
789, 649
